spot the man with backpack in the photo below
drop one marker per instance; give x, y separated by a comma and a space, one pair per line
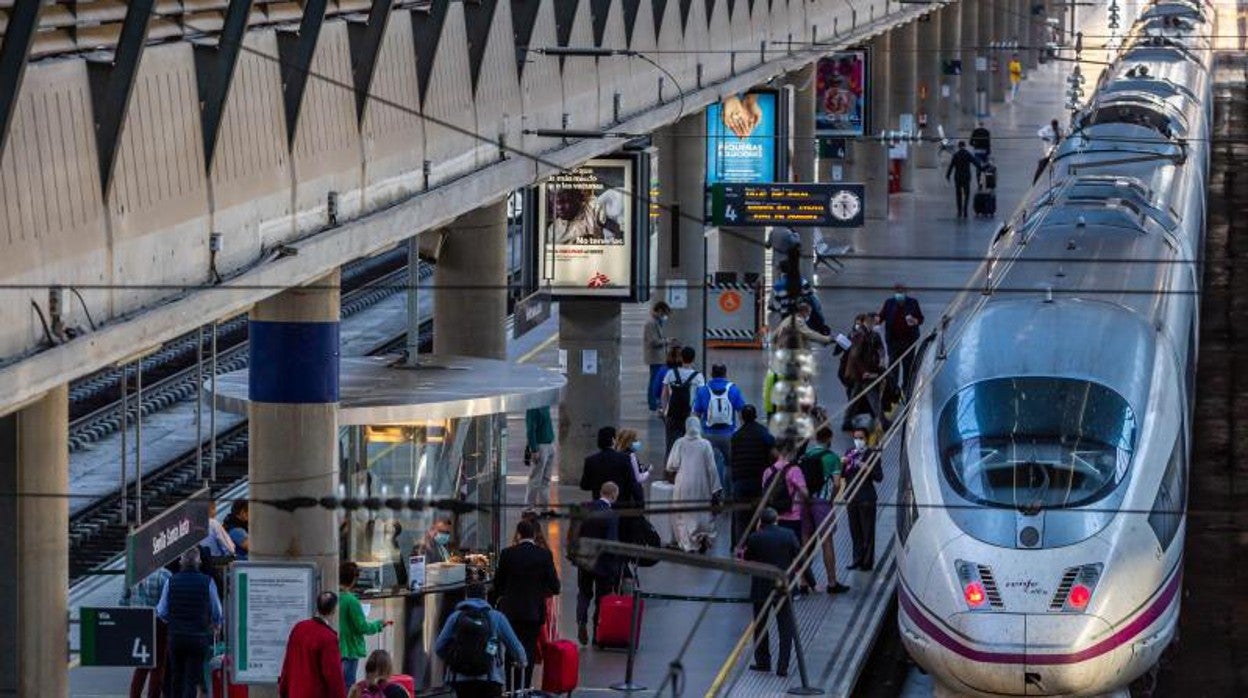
788, 498
821, 468
717, 404
476, 643
679, 386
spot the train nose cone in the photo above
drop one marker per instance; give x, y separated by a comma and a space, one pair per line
1070, 654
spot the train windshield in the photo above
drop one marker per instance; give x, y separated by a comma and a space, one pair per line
1036, 443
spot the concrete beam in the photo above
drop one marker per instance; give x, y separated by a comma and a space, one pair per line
19, 36
321, 253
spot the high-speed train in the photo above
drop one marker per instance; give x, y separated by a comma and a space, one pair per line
1044, 466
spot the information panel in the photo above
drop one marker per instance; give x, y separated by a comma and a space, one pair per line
266, 600
164, 538
823, 205
118, 636
742, 133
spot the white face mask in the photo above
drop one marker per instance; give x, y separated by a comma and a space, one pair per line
860, 444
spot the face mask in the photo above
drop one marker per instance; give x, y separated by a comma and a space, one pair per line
899, 297
858, 327
442, 538
636, 446
662, 319
860, 444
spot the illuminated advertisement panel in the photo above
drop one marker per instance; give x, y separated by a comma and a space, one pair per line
742, 133
841, 95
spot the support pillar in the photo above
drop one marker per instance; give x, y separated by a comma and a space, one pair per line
293, 410
928, 57
950, 107
1003, 23
1028, 35
34, 550
903, 71
970, 76
682, 175
870, 157
804, 149
472, 273
741, 251
984, 37
590, 401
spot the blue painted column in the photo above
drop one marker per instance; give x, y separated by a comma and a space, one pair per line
293, 411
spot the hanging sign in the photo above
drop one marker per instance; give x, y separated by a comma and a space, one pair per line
822, 205
163, 539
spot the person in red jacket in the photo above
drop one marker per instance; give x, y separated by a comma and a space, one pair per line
313, 665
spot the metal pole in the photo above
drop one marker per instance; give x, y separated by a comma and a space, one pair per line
199, 402
633, 627
125, 460
805, 689
413, 300
706, 365
138, 444
212, 413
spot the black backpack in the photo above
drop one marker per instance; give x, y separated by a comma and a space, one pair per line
471, 652
812, 469
680, 401
781, 499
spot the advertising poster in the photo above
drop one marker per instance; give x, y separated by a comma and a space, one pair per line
841, 95
585, 222
741, 136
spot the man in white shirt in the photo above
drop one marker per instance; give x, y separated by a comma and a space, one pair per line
1051, 136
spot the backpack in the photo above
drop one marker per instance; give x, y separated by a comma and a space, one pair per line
812, 469
372, 690
679, 403
473, 647
781, 498
719, 408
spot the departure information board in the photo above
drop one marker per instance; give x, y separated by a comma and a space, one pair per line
807, 205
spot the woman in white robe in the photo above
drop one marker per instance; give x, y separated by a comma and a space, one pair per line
697, 480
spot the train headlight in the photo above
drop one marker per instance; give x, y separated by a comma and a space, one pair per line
974, 593
1075, 590
979, 587
1079, 596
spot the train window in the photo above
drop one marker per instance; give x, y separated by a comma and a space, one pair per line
1035, 443
1171, 501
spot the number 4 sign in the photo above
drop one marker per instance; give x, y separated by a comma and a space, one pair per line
118, 637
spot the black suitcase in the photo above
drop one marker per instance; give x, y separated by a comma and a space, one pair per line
985, 203
989, 173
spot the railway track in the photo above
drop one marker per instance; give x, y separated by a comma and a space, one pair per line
96, 534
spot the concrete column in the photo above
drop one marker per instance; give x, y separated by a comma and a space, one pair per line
903, 73
1029, 35
34, 550
1003, 22
472, 273
590, 401
804, 158
928, 59
950, 44
741, 251
967, 41
870, 157
682, 174
988, 12
293, 410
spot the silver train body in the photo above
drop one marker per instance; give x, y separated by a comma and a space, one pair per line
1044, 467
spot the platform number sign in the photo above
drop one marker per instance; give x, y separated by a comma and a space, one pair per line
124, 637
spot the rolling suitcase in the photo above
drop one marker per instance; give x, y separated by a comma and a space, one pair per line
615, 617
561, 666
985, 203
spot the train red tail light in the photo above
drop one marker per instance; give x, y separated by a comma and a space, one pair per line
974, 593
1079, 596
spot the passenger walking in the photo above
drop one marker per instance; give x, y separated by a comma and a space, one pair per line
861, 506
859, 369
376, 682
476, 643
795, 495
981, 142
147, 594
312, 667
610, 465
353, 625
524, 579
960, 169
629, 443
821, 468
776, 546
679, 387
717, 404
602, 577
697, 480
752, 445
902, 318
654, 351
1015, 67
191, 608
1050, 136
540, 438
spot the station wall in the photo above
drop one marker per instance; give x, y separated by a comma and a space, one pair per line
150, 226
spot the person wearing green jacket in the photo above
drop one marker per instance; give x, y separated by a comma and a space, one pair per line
540, 440
353, 625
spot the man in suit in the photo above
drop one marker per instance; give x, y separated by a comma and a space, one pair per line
779, 547
525, 577
603, 576
902, 317
610, 465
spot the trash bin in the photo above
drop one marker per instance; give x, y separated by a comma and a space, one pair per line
661, 498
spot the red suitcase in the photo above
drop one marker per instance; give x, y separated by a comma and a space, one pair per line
615, 617
406, 682
218, 686
561, 666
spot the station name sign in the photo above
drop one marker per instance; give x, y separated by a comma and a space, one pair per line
163, 539
804, 205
